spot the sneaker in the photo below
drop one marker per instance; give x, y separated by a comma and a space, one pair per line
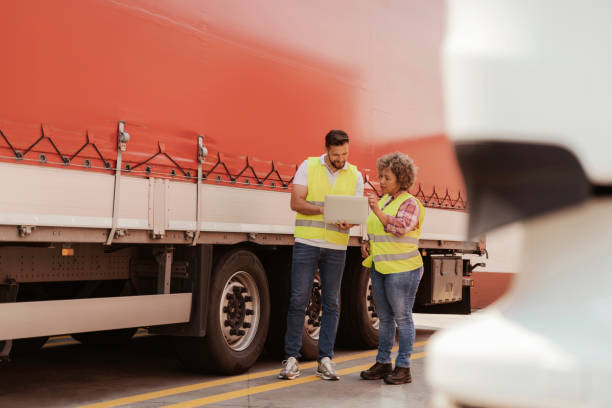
400, 375
326, 370
290, 370
377, 372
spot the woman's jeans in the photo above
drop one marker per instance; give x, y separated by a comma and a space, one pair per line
306, 260
394, 295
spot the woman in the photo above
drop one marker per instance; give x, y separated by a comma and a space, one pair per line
394, 226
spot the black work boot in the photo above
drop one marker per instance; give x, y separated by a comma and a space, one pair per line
400, 375
376, 372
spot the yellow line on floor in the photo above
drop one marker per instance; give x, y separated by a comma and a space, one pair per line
224, 381
267, 387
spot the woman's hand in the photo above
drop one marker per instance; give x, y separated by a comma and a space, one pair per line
373, 202
365, 249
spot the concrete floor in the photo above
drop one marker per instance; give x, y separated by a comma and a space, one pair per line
74, 375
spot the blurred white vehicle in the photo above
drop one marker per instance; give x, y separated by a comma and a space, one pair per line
528, 93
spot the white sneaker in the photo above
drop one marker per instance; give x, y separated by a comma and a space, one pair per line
290, 369
326, 370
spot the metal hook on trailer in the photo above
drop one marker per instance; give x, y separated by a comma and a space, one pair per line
123, 138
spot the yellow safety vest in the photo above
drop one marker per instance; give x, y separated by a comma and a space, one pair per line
312, 226
390, 253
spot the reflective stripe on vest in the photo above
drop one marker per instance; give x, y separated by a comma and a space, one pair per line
313, 226
389, 253
393, 238
395, 257
319, 224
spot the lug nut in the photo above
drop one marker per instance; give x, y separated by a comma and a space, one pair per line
229, 296
246, 325
243, 289
225, 309
241, 332
236, 289
370, 308
248, 299
227, 323
249, 312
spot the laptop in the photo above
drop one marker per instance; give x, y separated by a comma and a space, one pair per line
351, 209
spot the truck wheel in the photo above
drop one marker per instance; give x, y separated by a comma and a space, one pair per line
359, 323
312, 321
106, 337
237, 320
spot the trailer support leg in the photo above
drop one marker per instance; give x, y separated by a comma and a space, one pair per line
164, 260
8, 293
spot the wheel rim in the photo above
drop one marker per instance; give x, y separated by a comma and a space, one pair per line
314, 311
371, 307
240, 310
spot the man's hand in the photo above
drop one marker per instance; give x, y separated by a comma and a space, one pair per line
365, 249
343, 225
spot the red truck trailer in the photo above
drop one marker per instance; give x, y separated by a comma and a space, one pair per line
147, 151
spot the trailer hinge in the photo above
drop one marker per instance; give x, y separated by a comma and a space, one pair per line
120, 233
25, 230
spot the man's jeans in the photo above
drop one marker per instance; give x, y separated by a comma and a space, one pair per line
306, 259
394, 295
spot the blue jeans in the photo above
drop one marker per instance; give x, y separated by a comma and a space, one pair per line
306, 260
394, 295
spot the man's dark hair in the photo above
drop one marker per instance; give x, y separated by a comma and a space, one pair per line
336, 137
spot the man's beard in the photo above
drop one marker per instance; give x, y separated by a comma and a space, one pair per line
336, 166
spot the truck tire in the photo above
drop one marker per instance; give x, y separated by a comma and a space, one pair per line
312, 321
237, 318
359, 321
106, 337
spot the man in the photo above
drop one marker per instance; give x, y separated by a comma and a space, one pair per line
318, 245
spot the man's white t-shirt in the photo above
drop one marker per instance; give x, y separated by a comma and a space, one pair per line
301, 178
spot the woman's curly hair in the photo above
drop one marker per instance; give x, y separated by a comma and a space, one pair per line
401, 165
